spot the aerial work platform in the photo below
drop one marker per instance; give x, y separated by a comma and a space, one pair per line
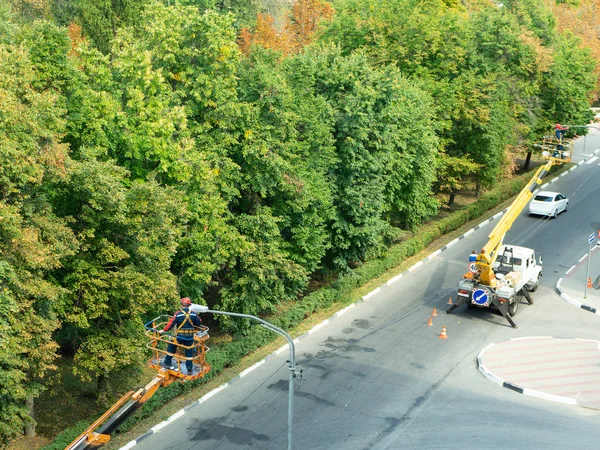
158, 345
98, 433
560, 151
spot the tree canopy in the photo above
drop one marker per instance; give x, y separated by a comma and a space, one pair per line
234, 151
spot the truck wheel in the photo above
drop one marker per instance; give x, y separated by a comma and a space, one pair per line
514, 306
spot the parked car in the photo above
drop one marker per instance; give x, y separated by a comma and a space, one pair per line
548, 203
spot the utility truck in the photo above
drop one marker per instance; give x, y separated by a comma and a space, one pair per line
504, 274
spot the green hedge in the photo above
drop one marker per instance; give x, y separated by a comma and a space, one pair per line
229, 354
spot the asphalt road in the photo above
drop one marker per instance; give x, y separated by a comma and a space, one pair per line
379, 378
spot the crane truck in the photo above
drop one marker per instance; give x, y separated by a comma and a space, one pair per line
99, 432
502, 274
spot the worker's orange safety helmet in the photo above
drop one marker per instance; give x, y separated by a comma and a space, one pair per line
185, 301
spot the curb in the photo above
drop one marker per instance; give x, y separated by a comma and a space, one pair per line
566, 297
519, 389
340, 313
561, 292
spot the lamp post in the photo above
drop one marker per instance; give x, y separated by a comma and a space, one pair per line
292, 362
585, 136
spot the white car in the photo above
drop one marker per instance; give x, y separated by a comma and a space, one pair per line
548, 203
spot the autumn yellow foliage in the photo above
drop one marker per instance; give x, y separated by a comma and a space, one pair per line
297, 31
583, 20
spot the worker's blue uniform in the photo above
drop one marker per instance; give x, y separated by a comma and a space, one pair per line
184, 322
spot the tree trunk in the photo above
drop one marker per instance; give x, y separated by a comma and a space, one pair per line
30, 428
102, 389
527, 161
451, 198
477, 189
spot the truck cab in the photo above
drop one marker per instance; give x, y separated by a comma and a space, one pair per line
516, 268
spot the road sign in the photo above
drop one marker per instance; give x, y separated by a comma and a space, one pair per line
473, 268
480, 297
591, 238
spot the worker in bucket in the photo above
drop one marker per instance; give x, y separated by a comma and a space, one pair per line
560, 131
184, 322
473, 256
483, 258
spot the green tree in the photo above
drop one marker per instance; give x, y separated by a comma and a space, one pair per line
385, 150
568, 85
128, 233
33, 239
100, 19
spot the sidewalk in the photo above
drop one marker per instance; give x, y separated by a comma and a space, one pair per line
572, 285
562, 370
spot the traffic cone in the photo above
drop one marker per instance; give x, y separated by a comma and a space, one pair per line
429, 322
450, 301
443, 335
589, 283
434, 313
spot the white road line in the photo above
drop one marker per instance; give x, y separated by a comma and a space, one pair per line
345, 310
420, 263
371, 294
243, 373
591, 160
212, 393
393, 280
316, 327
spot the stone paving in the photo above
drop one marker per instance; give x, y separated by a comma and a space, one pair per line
559, 369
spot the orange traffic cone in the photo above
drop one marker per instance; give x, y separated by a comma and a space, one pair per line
429, 322
443, 335
589, 283
450, 301
434, 313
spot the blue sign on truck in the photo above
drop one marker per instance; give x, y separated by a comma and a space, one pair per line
480, 297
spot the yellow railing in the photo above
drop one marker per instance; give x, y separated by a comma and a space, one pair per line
158, 343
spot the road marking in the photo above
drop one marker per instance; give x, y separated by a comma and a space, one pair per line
372, 293
345, 310
420, 263
316, 327
454, 241
243, 373
591, 160
393, 280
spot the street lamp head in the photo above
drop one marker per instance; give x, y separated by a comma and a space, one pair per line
198, 308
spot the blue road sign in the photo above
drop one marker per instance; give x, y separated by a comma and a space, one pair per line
480, 297
591, 238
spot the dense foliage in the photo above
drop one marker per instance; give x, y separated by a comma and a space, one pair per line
233, 151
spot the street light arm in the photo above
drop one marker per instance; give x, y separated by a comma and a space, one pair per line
292, 367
